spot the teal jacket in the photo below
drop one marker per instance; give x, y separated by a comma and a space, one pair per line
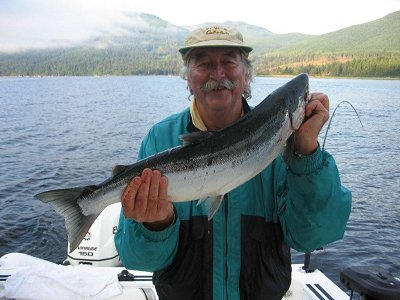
244, 251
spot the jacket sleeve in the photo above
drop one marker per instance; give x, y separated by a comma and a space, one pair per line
313, 207
140, 248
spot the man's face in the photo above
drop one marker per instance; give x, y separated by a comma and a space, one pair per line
219, 67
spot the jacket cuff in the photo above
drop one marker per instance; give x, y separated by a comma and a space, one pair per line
162, 235
306, 164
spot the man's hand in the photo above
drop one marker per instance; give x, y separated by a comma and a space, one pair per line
316, 115
145, 200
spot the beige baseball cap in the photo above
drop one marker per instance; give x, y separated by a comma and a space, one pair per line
214, 36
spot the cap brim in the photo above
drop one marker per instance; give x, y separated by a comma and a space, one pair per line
215, 43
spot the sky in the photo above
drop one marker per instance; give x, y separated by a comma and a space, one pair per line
43, 23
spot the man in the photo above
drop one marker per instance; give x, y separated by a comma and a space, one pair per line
244, 251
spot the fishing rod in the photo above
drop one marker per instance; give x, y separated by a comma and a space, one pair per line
333, 114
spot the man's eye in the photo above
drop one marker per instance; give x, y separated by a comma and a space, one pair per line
203, 64
230, 62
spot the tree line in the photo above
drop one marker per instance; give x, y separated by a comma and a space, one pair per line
335, 65
164, 61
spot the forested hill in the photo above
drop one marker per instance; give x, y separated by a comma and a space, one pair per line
150, 47
367, 50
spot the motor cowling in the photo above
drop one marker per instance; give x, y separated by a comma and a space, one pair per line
371, 283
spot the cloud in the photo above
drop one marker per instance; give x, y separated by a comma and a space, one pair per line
59, 23
46, 23
53, 23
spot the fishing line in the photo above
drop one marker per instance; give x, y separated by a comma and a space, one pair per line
330, 121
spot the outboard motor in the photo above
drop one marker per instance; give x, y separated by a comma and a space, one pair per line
98, 248
371, 283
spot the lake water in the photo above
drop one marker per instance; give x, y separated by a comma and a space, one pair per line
70, 131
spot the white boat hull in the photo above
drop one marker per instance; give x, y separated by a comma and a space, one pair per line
304, 286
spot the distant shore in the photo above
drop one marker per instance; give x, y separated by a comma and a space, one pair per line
174, 75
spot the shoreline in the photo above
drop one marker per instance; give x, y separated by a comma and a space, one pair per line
172, 75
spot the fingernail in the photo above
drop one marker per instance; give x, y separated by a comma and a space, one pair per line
134, 181
164, 180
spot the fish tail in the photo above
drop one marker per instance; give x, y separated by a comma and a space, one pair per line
65, 202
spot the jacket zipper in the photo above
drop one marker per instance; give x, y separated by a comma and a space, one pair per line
226, 246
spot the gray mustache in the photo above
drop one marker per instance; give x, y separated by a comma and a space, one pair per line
218, 84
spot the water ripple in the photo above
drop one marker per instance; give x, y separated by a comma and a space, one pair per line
71, 131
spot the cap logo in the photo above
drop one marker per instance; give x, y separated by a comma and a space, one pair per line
214, 36
216, 30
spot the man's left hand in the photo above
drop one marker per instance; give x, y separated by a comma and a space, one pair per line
316, 115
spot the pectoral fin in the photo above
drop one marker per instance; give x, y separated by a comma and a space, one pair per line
289, 149
212, 204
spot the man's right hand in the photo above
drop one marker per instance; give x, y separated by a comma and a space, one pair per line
145, 200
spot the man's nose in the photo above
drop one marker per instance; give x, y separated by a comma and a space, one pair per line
217, 71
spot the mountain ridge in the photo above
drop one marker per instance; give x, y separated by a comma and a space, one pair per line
147, 44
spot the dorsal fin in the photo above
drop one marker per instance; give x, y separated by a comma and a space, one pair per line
118, 169
194, 137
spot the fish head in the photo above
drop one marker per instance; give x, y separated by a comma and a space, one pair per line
297, 101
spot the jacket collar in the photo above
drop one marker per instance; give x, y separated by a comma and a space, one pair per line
195, 122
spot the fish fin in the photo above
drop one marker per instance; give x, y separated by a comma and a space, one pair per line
194, 138
64, 202
212, 204
118, 169
60, 195
289, 149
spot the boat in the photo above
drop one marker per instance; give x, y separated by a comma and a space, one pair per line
94, 271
